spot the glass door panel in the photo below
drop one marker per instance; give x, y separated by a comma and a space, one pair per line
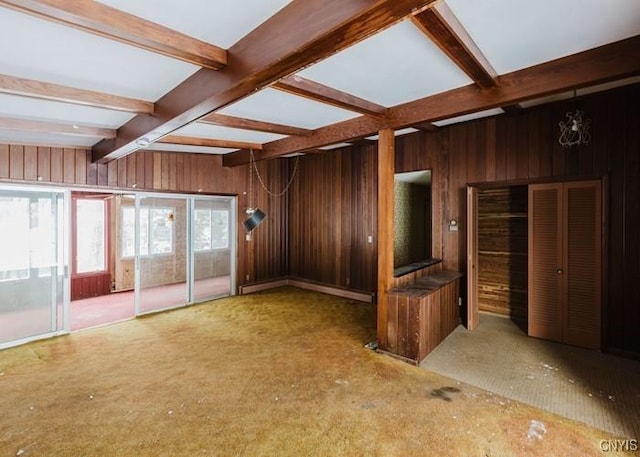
31, 263
212, 248
162, 253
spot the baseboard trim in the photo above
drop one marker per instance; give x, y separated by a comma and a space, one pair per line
259, 287
344, 293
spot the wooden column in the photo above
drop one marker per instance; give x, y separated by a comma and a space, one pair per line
385, 228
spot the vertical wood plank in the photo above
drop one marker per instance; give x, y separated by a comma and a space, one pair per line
57, 164
16, 162
30, 163
157, 170
81, 166
44, 163
68, 165
4, 161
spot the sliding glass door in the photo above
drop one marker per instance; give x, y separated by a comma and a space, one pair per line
212, 247
161, 225
32, 266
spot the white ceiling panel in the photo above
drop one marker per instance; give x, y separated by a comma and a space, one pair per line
181, 148
46, 110
334, 146
201, 130
216, 22
469, 117
275, 106
46, 139
399, 132
514, 34
395, 66
51, 52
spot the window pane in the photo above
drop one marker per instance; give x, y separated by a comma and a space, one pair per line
161, 230
127, 246
202, 230
43, 239
14, 238
90, 252
144, 231
220, 229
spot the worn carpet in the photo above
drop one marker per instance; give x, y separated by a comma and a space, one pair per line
598, 389
278, 373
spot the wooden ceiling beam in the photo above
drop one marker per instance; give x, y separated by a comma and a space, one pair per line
315, 91
48, 91
301, 33
26, 125
94, 17
209, 142
249, 124
606, 63
445, 30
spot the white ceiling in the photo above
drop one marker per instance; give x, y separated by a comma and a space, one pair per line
395, 66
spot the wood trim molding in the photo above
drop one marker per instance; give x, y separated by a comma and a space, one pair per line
49, 91
312, 90
606, 63
99, 19
249, 124
209, 142
443, 28
55, 128
307, 285
298, 35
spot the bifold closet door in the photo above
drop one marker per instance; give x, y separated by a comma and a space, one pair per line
565, 262
545, 261
582, 264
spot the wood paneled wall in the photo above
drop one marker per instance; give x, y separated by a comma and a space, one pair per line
524, 147
264, 257
502, 251
332, 211
335, 196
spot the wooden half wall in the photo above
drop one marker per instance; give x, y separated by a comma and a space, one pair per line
264, 257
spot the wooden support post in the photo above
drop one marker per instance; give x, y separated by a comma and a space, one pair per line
385, 228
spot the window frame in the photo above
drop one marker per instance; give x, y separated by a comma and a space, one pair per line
149, 254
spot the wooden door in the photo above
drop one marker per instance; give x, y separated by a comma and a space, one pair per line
473, 315
582, 233
545, 261
565, 262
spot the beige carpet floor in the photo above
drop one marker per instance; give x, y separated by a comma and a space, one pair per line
278, 373
598, 389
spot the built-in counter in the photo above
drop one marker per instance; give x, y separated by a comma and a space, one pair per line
421, 315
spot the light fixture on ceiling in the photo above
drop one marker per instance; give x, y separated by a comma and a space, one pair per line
575, 130
143, 142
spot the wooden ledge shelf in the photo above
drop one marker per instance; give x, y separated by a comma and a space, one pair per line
421, 314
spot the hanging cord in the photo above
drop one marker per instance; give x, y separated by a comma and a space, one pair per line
251, 187
264, 186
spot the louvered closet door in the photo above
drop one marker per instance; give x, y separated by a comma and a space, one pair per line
545, 261
582, 264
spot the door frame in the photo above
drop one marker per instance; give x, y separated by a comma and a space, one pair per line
605, 214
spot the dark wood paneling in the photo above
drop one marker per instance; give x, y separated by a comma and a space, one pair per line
332, 215
502, 251
526, 147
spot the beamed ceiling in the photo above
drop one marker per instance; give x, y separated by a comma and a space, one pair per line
284, 77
